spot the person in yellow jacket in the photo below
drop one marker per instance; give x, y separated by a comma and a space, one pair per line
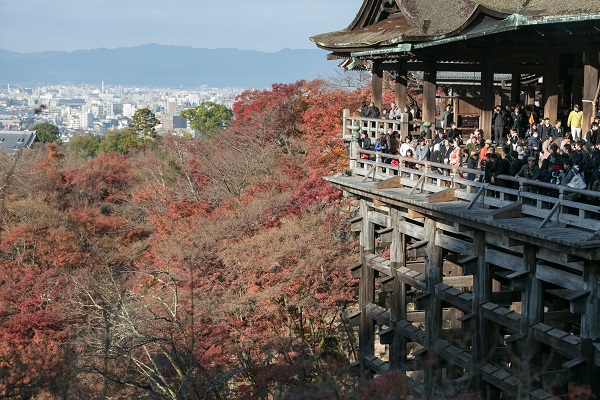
574, 122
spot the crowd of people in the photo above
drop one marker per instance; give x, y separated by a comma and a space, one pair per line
524, 145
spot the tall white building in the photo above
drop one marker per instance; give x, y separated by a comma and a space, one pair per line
129, 109
87, 120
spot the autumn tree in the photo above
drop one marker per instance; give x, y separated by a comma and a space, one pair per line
120, 141
272, 114
46, 132
211, 268
208, 117
143, 125
86, 145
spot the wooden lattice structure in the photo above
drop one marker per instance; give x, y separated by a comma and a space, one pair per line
493, 289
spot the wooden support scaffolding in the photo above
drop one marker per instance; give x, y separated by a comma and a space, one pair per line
474, 284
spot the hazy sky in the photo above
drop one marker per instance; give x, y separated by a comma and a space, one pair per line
268, 25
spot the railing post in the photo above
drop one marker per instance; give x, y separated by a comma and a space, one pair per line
354, 146
521, 188
346, 128
404, 125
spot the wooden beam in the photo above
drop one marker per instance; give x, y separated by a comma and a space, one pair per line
510, 211
366, 295
433, 317
379, 203
384, 230
474, 200
459, 281
507, 296
442, 196
419, 183
390, 183
398, 300
550, 214
372, 170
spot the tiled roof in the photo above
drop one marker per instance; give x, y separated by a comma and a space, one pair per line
12, 141
426, 20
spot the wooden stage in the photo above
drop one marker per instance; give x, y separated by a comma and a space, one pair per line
485, 289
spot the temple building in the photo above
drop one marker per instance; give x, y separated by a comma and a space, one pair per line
555, 42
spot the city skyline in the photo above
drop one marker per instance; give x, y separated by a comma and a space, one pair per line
267, 25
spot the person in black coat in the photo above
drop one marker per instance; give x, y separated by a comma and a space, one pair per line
498, 120
518, 121
545, 129
364, 143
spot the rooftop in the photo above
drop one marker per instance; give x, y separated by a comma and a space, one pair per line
12, 141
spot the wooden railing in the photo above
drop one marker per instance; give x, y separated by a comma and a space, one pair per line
562, 204
376, 126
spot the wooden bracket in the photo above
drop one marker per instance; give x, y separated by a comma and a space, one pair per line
417, 249
390, 183
442, 196
378, 203
518, 280
414, 214
510, 211
468, 264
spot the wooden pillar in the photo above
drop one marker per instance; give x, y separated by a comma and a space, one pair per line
377, 85
482, 292
532, 308
590, 85
400, 88
530, 100
366, 335
551, 85
429, 88
433, 313
577, 89
515, 89
487, 93
398, 298
590, 324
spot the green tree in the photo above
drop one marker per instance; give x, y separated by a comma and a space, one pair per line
208, 117
46, 132
120, 141
144, 123
87, 144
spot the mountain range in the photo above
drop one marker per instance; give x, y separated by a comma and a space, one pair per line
165, 66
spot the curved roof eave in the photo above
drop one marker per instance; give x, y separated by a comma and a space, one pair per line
512, 22
412, 26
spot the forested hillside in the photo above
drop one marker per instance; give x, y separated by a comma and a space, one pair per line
186, 269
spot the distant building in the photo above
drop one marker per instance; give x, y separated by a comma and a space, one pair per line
13, 141
129, 110
169, 123
171, 107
